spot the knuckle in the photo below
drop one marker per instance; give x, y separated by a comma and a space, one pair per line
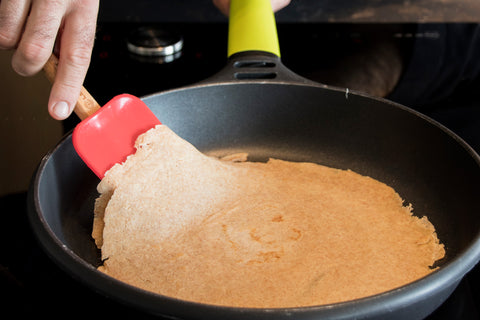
8, 40
9, 34
78, 58
76, 63
78, 53
29, 58
34, 52
68, 85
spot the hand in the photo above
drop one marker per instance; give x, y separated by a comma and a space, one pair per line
33, 27
224, 5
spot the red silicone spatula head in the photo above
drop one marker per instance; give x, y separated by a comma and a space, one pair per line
108, 136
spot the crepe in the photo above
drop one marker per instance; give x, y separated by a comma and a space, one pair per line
249, 234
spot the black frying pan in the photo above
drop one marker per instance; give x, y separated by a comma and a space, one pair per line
256, 105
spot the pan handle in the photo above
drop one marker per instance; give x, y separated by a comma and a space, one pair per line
253, 49
257, 67
252, 27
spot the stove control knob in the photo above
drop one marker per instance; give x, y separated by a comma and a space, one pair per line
154, 45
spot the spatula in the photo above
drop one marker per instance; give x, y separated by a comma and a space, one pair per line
106, 135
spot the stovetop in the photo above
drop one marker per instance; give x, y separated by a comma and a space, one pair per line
33, 285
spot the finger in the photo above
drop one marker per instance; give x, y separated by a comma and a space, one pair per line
224, 5
76, 46
279, 4
13, 14
36, 43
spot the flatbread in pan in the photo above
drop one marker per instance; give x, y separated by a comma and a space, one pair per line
249, 234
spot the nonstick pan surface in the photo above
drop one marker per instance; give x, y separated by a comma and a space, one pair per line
287, 118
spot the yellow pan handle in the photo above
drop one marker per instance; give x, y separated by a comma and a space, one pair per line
252, 27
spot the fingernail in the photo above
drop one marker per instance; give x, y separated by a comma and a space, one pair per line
61, 110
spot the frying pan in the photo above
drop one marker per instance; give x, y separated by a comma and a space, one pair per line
256, 105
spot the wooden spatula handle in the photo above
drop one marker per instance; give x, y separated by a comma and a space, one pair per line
86, 104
